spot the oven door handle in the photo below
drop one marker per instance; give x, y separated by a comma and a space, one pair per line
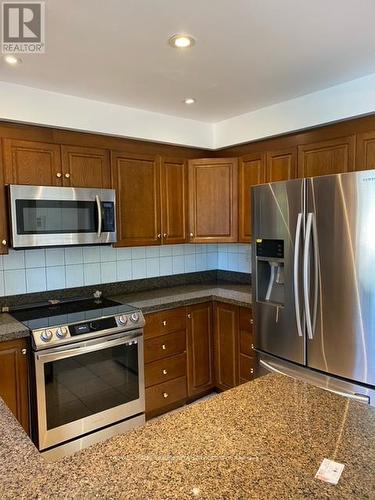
100, 214
77, 350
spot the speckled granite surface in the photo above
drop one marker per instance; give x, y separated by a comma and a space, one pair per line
262, 440
167, 298
11, 329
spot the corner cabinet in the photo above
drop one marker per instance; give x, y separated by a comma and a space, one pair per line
213, 197
14, 379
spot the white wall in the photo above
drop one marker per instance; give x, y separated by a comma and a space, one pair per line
347, 100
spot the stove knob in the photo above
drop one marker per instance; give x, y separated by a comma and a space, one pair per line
61, 332
134, 317
122, 319
46, 335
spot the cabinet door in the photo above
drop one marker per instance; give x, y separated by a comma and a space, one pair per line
174, 200
365, 151
136, 179
329, 157
281, 165
86, 167
34, 163
4, 235
251, 173
199, 349
213, 207
226, 345
14, 383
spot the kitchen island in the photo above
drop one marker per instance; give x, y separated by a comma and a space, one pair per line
264, 439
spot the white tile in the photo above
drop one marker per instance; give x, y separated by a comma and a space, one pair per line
91, 254
14, 260
243, 248
124, 270
74, 275
124, 253
212, 247
15, 281
222, 248
243, 263
198, 248
73, 255
55, 277
109, 272
166, 266
91, 274
153, 251
55, 257
222, 261
1, 262
139, 269
233, 259
201, 262
152, 267
107, 254
2, 291
138, 252
232, 248
178, 250
189, 248
166, 250
212, 260
35, 258
178, 263
190, 263
36, 279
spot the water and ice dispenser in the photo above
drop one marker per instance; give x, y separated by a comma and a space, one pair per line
270, 271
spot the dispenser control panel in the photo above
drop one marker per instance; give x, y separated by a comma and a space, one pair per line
270, 248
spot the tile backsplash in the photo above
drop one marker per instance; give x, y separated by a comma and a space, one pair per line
39, 270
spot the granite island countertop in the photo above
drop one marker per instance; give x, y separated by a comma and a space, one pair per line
11, 329
263, 440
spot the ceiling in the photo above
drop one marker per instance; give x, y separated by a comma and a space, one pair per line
248, 53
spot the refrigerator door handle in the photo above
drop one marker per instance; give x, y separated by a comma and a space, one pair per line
296, 273
306, 261
316, 271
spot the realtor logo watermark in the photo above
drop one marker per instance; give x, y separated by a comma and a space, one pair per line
23, 28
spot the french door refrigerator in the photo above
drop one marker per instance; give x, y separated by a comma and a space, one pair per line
313, 260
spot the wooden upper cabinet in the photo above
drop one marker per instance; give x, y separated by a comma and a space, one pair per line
213, 209
174, 200
365, 158
14, 382
199, 349
85, 167
34, 163
329, 157
251, 173
226, 345
136, 179
281, 165
4, 235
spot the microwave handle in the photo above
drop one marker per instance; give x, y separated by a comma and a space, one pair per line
100, 215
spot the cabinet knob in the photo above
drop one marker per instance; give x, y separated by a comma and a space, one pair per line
189, 316
165, 395
24, 351
59, 174
165, 235
4, 242
252, 346
191, 235
251, 370
165, 372
251, 321
164, 323
67, 175
159, 236
164, 347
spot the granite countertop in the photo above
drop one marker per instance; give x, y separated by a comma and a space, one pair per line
264, 439
11, 329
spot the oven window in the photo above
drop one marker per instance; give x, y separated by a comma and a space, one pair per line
90, 383
56, 217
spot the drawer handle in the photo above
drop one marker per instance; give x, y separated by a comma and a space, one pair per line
165, 395
251, 321
164, 323
164, 347
165, 372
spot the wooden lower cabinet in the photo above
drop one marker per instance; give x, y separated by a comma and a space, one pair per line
226, 345
200, 349
14, 379
247, 356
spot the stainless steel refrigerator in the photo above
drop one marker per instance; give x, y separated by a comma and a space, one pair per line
313, 260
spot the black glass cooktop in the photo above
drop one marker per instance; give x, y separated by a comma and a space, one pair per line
69, 312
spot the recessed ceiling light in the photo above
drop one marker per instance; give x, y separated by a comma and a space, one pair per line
12, 60
180, 41
189, 100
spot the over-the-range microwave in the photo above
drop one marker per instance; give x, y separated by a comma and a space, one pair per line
42, 216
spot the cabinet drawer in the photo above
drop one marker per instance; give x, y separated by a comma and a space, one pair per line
246, 319
247, 368
165, 346
246, 343
165, 369
165, 322
165, 394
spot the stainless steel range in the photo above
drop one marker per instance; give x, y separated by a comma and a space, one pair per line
89, 372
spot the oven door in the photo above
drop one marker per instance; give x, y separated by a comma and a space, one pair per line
89, 385
53, 216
